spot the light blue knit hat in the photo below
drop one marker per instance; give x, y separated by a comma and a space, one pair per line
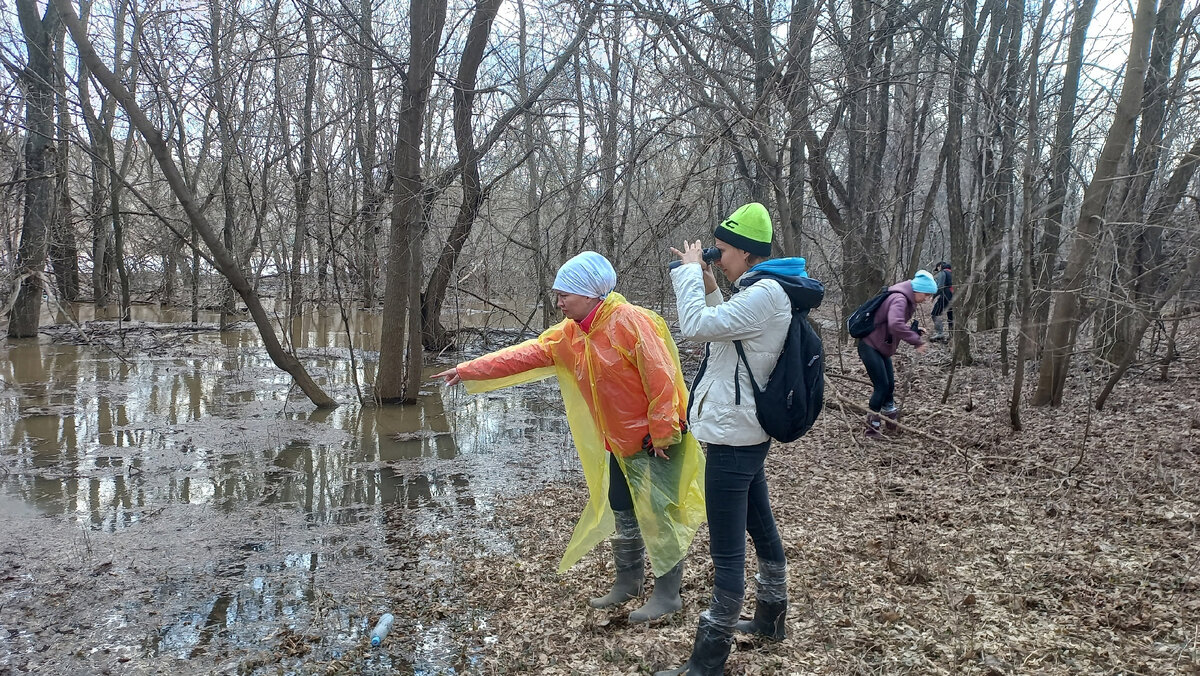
922, 282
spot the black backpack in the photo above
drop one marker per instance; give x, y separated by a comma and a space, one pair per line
861, 322
795, 393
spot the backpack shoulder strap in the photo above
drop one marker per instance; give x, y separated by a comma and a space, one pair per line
737, 344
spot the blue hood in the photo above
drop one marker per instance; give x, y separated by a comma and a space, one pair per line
787, 267
804, 292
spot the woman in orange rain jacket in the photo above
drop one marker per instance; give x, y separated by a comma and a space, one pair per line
618, 369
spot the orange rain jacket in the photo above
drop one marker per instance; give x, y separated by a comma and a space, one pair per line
620, 381
630, 380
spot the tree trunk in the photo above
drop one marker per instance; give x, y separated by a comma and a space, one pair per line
38, 210
1143, 323
609, 130
64, 253
195, 285
1060, 170
1142, 242
798, 94
959, 233
99, 127
862, 245
1065, 320
365, 136
303, 181
543, 299
435, 337
227, 144
1006, 183
118, 223
400, 355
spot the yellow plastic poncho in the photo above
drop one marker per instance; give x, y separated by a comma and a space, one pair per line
620, 381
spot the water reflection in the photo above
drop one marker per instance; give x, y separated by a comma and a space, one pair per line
83, 421
172, 416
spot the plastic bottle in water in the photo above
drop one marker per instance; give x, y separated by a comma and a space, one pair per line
381, 629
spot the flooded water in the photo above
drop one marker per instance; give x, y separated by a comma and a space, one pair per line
234, 515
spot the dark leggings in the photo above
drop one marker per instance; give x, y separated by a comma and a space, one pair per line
879, 368
735, 487
619, 497
942, 304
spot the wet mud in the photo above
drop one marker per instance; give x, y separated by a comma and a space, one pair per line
168, 503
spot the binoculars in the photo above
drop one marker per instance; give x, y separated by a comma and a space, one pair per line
710, 255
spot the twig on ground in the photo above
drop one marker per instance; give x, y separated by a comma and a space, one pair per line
852, 379
909, 428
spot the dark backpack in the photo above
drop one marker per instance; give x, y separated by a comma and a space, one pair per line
793, 396
861, 322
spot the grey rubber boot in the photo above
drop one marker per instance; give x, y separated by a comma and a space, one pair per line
664, 600
714, 637
628, 556
770, 604
939, 326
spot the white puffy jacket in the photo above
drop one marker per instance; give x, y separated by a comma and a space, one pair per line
722, 407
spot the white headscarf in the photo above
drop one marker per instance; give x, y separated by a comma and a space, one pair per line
588, 274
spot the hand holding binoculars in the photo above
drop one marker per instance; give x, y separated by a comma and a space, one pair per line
710, 255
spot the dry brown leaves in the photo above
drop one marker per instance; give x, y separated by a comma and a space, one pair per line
1067, 548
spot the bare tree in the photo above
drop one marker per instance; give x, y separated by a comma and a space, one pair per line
1028, 187
221, 256
302, 177
959, 228
365, 137
1139, 244
1167, 204
39, 211
1060, 168
400, 357
1065, 320
470, 153
472, 192
64, 254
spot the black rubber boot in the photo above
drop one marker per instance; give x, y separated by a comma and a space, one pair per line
770, 605
628, 558
714, 637
664, 600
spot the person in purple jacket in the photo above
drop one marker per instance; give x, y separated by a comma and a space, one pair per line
876, 348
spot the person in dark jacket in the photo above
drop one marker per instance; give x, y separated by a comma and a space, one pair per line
876, 348
944, 278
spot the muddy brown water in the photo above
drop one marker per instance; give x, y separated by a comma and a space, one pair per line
168, 501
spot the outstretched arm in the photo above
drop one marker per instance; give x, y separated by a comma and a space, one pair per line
526, 356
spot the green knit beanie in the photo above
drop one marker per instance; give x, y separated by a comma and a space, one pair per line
748, 228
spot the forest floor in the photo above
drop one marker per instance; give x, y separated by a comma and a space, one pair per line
959, 547
1069, 547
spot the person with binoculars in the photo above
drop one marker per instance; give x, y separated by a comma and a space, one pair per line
722, 414
626, 400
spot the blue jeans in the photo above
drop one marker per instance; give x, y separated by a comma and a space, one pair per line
735, 487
